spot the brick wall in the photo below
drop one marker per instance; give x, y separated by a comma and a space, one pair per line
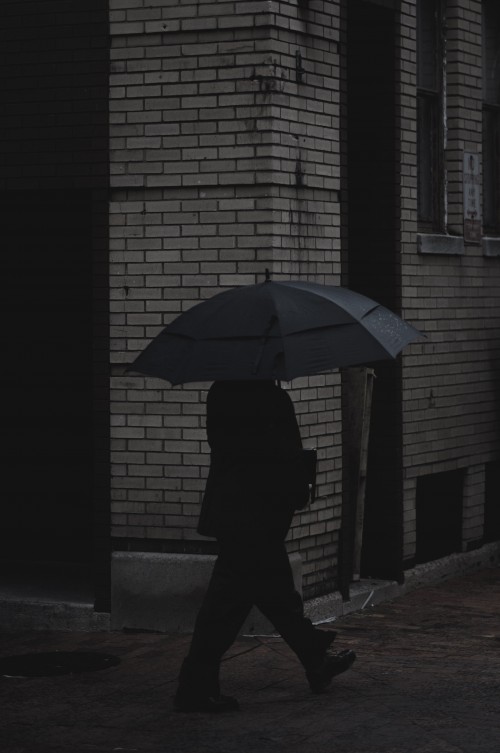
224, 128
226, 159
451, 395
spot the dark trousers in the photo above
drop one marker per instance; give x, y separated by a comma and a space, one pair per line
246, 574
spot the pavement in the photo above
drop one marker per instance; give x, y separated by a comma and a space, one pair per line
426, 680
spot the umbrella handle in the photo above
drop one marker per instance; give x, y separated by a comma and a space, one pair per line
263, 344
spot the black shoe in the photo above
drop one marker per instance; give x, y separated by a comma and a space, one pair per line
331, 664
217, 704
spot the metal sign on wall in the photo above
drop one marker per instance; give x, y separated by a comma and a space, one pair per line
472, 198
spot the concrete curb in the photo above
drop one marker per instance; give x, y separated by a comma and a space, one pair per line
40, 614
49, 615
369, 592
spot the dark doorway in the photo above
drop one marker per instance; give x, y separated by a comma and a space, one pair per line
439, 515
371, 261
54, 122
47, 376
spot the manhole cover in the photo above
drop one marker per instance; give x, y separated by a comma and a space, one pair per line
55, 663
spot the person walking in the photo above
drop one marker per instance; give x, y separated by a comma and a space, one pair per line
257, 480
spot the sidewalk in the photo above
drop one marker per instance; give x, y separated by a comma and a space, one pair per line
427, 680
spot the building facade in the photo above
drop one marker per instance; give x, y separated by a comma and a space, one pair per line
350, 142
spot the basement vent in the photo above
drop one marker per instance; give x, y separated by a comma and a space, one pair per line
439, 515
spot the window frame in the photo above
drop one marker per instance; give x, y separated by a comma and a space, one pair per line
491, 114
431, 179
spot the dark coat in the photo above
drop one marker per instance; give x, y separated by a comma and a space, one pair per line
257, 478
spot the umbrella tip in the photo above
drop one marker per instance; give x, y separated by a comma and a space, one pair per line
268, 275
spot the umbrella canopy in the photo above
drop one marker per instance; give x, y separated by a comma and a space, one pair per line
274, 330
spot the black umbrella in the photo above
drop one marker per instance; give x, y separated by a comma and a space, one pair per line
274, 330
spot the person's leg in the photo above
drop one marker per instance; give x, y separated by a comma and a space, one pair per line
222, 613
271, 585
268, 575
224, 609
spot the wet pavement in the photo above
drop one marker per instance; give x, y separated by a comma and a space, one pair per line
427, 680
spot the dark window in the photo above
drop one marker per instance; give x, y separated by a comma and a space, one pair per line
491, 116
429, 115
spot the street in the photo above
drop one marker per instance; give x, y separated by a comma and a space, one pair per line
426, 680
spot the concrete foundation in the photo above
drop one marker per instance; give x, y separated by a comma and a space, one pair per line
45, 614
163, 592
